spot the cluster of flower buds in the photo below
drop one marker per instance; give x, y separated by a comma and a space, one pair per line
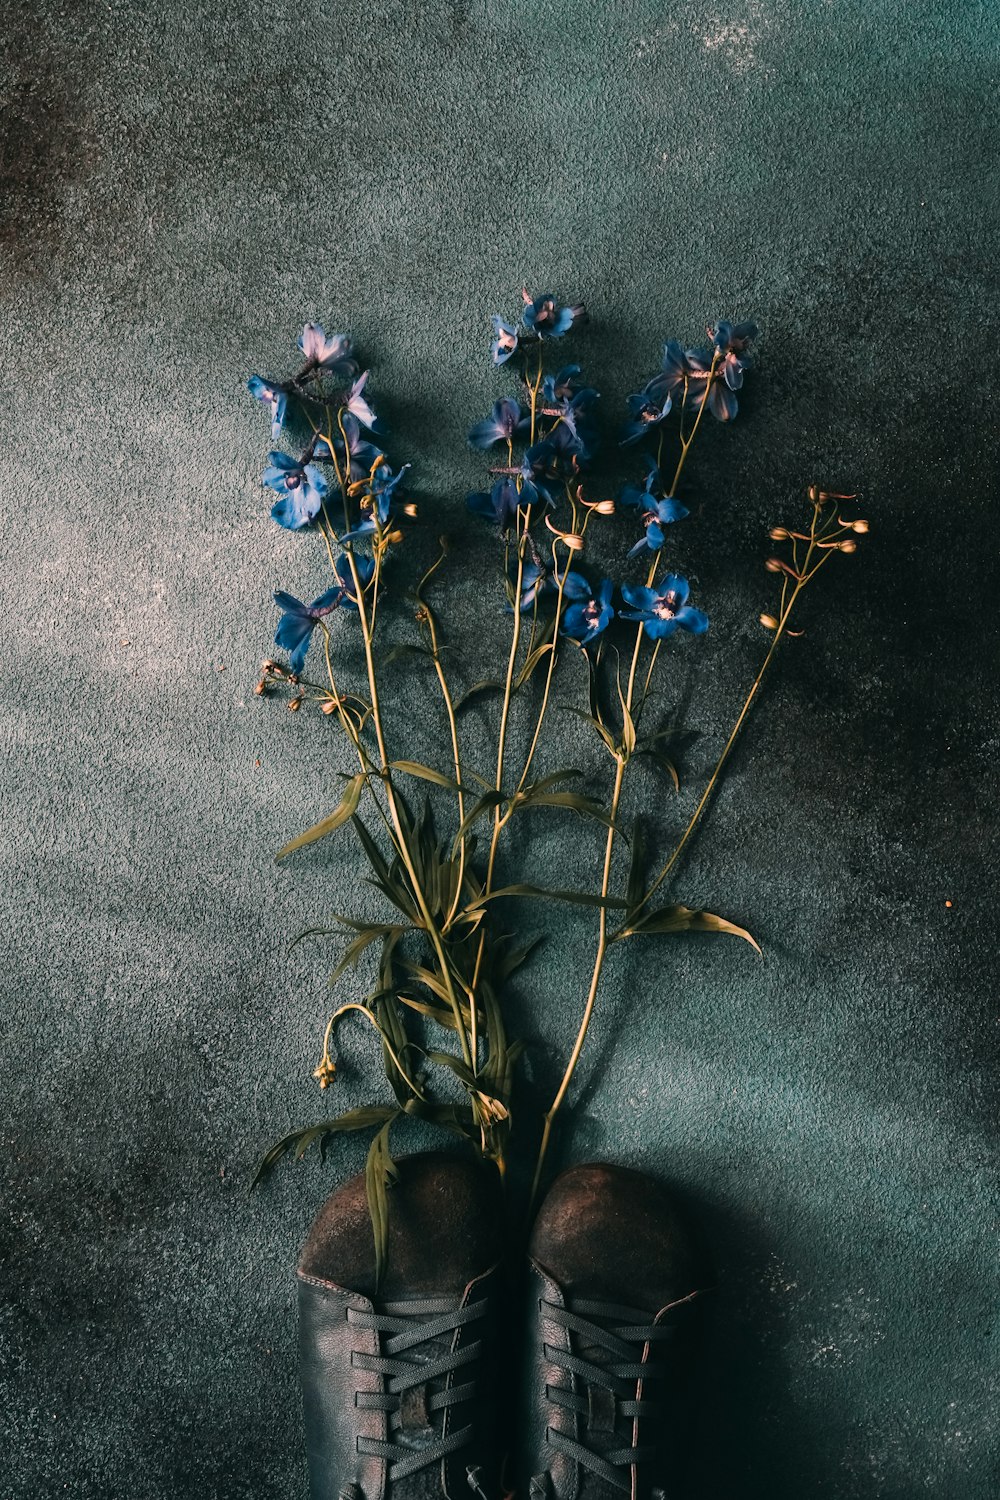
829, 532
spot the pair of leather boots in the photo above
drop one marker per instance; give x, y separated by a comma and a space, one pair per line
562, 1381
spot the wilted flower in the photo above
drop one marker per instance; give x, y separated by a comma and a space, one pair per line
536, 580
274, 397
331, 354
358, 406
301, 486
665, 609
647, 409
498, 504
591, 610
545, 317
363, 455
506, 420
505, 342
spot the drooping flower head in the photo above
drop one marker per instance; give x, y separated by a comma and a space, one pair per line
298, 620
590, 612
331, 354
664, 609
301, 486
273, 397
547, 318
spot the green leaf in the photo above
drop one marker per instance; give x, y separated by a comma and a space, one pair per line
359, 944
670, 919
585, 806
605, 734
578, 898
380, 1171
546, 782
425, 773
301, 1140
488, 685
665, 764
406, 648
341, 814
486, 803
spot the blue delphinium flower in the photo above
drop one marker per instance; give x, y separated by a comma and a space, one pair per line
665, 609
536, 580
546, 318
647, 409
657, 511
499, 504
273, 397
298, 621
331, 354
301, 486
505, 342
591, 610
377, 504
729, 341
507, 419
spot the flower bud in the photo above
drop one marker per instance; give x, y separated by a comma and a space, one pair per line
774, 565
769, 622
860, 527
326, 1072
294, 704
394, 537
329, 707
849, 546
269, 666
779, 534
605, 507
261, 687
410, 510
813, 493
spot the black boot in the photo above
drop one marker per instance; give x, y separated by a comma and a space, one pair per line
397, 1383
613, 1284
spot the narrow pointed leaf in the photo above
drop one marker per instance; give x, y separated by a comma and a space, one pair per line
301, 1140
670, 919
341, 814
425, 773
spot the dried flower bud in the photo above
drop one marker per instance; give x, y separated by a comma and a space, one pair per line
604, 507
329, 707
326, 1072
394, 536
410, 510
779, 534
774, 565
814, 494
769, 622
294, 704
849, 546
261, 687
860, 527
569, 539
269, 666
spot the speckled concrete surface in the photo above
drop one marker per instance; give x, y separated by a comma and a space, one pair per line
183, 186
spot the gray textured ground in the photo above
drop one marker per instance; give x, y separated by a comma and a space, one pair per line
183, 186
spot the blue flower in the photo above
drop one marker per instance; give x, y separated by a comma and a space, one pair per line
298, 620
376, 504
507, 419
665, 609
657, 511
555, 457
358, 406
332, 354
729, 341
647, 409
499, 504
301, 487
273, 397
591, 612
545, 317
505, 342
536, 580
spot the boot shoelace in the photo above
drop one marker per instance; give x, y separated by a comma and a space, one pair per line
609, 1382
417, 1389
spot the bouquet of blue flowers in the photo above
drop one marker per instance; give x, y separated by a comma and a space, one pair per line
445, 955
